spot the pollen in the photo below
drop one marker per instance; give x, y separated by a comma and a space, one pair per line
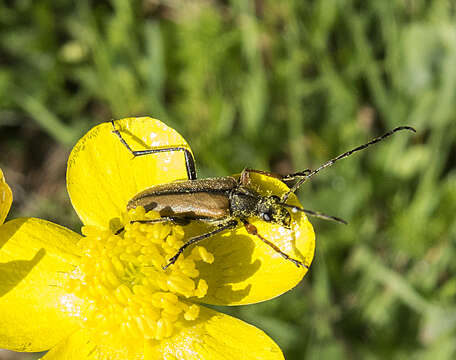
127, 294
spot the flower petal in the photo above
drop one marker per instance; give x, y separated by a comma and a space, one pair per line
245, 269
35, 310
215, 336
6, 198
77, 346
102, 174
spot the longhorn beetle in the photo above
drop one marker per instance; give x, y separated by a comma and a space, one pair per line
226, 202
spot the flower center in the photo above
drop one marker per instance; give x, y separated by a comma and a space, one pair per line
127, 293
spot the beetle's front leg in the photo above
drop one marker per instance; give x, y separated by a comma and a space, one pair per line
291, 178
287, 179
252, 230
245, 175
229, 225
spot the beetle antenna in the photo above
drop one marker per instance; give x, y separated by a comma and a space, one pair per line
341, 156
315, 214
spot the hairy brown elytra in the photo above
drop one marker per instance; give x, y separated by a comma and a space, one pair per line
226, 202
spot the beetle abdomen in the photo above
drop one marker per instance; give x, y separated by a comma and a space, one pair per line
193, 199
191, 206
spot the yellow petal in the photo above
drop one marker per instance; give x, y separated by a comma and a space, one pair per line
215, 336
35, 258
6, 198
246, 270
103, 175
77, 346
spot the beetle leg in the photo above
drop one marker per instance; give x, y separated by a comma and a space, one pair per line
245, 178
176, 220
229, 225
189, 159
295, 176
252, 230
179, 221
289, 179
119, 231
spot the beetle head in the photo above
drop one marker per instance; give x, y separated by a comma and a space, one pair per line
270, 209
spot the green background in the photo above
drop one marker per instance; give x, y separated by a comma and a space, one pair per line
273, 85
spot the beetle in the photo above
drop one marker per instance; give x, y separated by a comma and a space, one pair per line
226, 202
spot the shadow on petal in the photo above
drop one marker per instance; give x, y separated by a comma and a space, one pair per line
11, 231
232, 266
13, 272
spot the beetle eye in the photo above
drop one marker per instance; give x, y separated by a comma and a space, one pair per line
266, 216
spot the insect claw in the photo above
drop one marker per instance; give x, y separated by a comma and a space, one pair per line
298, 263
171, 261
114, 126
168, 264
119, 231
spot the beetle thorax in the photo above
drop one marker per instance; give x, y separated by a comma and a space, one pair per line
246, 203
243, 204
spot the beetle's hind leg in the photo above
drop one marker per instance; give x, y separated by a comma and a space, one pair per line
189, 159
229, 225
252, 230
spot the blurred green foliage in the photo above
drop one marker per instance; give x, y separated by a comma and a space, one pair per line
276, 85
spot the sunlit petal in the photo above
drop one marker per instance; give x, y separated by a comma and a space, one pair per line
215, 336
35, 259
102, 174
6, 198
77, 346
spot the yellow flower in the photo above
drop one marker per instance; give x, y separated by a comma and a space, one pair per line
6, 198
104, 295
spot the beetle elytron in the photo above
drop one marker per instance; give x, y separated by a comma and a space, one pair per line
226, 202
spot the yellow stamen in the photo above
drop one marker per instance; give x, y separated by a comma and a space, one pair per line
127, 293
